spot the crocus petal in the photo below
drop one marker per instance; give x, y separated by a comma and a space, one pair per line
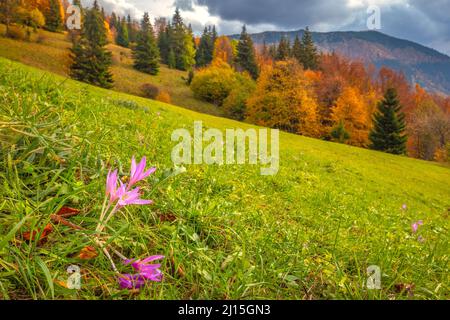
141, 202
111, 182
133, 167
155, 276
148, 173
152, 258
129, 281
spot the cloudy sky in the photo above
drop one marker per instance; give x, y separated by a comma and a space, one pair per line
423, 21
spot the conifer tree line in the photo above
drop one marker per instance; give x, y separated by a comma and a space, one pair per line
303, 50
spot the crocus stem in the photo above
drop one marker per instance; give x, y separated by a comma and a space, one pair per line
121, 256
110, 259
102, 215
105, 221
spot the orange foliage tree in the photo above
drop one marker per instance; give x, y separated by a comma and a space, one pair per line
351, 110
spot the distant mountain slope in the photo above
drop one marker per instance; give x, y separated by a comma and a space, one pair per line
420, 64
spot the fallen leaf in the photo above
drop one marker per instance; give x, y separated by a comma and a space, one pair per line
405, 287
169, 217
58, 219
88, 253
30, 236
67, 212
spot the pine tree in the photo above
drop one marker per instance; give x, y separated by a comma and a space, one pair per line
146, 52
53, 19
113, 22
297, 50
132, 34
171, 60
164, 42
388, 133
189, 51
339, 134
284, 49
214, 35
181, 43
177, 39
122, 34
91, 60
205, 49
309, 56
246, 57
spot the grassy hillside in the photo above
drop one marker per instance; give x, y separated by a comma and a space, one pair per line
50, 51
227, 232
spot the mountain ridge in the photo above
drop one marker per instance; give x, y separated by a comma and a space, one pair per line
420, 64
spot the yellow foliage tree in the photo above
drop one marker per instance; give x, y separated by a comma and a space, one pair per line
223, 50
284, 99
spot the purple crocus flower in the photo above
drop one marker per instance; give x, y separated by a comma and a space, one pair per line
138, 172
130, 197
111, 186
131, 281
148, 271
415, 226
404, 207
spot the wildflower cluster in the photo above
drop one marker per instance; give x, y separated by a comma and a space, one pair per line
117, 196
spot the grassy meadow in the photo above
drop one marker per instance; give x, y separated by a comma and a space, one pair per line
227, 232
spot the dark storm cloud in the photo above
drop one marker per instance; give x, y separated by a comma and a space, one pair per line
424, 21
186, 5
286, 13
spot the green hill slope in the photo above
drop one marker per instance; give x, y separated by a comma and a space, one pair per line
50, 51
227, 232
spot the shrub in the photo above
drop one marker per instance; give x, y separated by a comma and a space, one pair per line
214, 84
150, 90
16, 33
164, 96
235, 105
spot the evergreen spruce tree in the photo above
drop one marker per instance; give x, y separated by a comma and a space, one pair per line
91, 60
132, 33
177, 39
164, 42
339, 134
309, 56
214, 35
284, 49
53, 19
205, 50
388, 133
189, 51
146, 52
297, 50
171, 60
122, 34
181, 43
273, 51
113, 22
246, 57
